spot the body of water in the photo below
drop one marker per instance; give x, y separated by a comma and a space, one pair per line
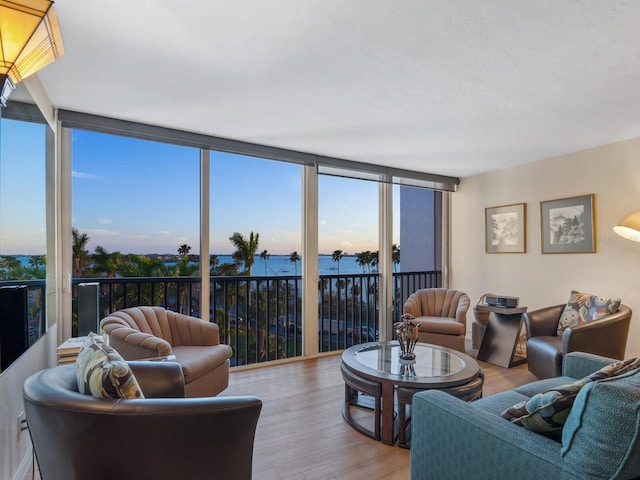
281, 265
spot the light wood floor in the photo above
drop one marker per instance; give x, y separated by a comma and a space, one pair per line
301, 434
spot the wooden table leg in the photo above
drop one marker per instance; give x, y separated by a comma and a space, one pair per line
388, 413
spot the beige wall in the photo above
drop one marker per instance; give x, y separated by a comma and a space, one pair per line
612, 173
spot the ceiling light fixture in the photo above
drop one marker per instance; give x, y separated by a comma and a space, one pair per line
629, 227
30, 39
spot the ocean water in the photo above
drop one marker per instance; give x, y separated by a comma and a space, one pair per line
281, 265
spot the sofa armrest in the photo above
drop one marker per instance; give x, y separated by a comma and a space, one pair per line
580, 364
542, 322
452, 439
159, 379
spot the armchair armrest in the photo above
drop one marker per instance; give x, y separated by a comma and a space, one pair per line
444, 426
606, 337
463, 307
159, 379
133, 344
543, 322
412, 306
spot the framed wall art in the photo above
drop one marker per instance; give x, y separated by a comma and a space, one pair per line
568, 225
505, 229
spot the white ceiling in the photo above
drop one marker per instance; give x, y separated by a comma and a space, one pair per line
454, 87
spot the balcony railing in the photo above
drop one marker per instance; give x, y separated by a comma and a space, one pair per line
261, 317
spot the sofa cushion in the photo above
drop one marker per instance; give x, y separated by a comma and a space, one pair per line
103, 373
602, 430
584, 307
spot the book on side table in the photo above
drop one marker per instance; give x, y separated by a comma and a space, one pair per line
68, 350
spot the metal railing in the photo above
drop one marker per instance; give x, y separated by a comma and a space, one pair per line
261, 317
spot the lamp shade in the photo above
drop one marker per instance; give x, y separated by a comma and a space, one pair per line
30, 39
629, 227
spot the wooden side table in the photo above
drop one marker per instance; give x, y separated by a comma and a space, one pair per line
501, 336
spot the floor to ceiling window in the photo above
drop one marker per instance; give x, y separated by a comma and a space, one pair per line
22, 236
136, 215
347, 262
418, 257
170, 218
255, 247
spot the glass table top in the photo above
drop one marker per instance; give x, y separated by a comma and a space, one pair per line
429, 361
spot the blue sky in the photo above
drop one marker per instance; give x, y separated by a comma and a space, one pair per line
143, 197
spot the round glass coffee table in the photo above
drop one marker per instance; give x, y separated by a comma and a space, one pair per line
376, 372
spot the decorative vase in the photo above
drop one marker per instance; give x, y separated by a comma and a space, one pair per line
407, 333
407, 367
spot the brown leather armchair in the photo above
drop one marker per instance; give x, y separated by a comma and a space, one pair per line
545, 349
442, 315
79, 436
145, 332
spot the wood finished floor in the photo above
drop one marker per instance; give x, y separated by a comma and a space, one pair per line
301, 434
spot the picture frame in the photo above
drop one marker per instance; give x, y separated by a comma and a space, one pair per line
506, 229
568, 225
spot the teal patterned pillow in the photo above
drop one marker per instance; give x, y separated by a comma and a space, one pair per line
547, 412
583, 307
103, 373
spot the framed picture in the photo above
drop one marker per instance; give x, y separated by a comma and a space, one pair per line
505, 229
568, 225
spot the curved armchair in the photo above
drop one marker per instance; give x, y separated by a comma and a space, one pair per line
147, 332
79, 436
545, 349
442, 315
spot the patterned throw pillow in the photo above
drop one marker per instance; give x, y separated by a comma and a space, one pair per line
547, 412
103, 373
583, 307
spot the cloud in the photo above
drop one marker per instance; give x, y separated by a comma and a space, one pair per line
106, 233
84, 175
105, 221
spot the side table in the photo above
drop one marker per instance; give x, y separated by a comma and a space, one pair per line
501, 336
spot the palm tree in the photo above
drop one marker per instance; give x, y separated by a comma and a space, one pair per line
337, 256
364, 259
214, 261
395, 255
265, 256
105, 263
294, 258
245, 249
80, 252
374, 259
183, 251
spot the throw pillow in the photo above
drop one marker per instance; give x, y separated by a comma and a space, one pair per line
584, 307
547, 412
103, 373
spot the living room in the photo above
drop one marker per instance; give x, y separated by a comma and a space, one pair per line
590, 145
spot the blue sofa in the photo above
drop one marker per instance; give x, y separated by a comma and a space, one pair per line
455, 440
